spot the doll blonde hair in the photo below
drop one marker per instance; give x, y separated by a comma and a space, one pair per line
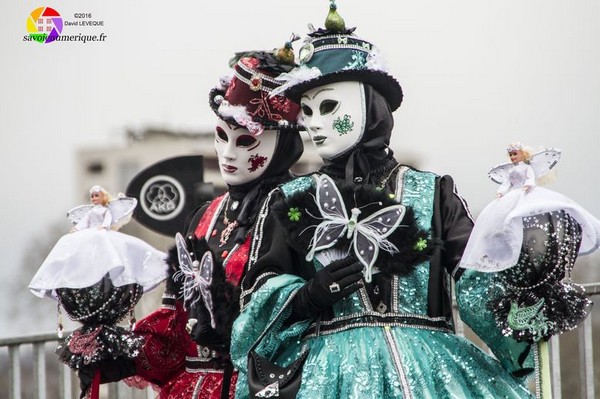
525, 150
106, 197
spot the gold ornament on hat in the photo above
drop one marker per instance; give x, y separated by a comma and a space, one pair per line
334, 22
285, 55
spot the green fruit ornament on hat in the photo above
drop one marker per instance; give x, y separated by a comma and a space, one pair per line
335, 54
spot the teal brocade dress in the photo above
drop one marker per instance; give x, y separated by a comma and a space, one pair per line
405, 349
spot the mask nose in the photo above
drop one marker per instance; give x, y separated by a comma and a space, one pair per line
315, 124
229, 151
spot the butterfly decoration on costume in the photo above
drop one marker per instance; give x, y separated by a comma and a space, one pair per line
121, 209
541, 163
197, 276
367, 235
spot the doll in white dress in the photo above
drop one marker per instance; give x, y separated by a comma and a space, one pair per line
94, 248
496, 240
532, 237
98, 275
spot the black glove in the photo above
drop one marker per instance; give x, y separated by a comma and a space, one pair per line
202, 332
329, 285
172, 285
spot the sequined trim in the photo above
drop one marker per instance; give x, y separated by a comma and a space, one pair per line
245, 74
297, 185
395, 285
259, 225
168, 302
199, 369
196, 393
230, 254
341, 42
395, 288
400, 182
213, 222
257, 237
257, 283
376, 319
204, 354
389, 337
208, 361
364, 298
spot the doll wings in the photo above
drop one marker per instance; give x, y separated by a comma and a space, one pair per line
76, 214
541, 163
121, 210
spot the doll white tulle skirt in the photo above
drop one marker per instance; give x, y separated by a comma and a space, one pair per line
81, 259
496, 240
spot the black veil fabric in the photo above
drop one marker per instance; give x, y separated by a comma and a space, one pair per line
100, 345
371, 153
288, 149
536, 298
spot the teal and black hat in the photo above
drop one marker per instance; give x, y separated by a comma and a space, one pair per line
335, 54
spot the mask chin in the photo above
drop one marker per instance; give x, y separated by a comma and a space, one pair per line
335, 115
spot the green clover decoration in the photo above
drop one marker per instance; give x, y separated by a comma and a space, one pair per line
294, 214
421, 244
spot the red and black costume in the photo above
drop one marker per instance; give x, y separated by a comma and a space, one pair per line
184, 356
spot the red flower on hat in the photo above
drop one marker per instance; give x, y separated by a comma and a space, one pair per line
250, 62
280, 103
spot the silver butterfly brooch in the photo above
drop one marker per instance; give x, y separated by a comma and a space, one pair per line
367, 235
197, 276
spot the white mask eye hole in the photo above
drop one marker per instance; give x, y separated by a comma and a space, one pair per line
246, 141
221, 135
328, 106
306, 110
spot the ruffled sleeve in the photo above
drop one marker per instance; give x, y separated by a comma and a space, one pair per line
264, 319
472, 293
471, 287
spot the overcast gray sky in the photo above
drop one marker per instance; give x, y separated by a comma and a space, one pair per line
477, 74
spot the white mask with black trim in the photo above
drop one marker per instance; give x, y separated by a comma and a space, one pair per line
243, 157
334, 116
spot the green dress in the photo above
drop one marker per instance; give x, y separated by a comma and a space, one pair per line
403, 346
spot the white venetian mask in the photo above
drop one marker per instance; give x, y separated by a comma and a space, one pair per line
243, 156
334, 116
